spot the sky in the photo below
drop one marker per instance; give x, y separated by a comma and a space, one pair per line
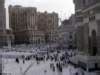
63, 7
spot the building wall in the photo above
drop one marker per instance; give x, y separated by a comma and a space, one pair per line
84, 4
87, 27
2, 24
89, 23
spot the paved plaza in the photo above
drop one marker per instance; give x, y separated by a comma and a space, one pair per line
32, 67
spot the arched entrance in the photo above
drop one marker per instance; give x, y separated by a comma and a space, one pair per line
94, 43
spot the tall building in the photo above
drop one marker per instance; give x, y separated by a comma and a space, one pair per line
2, 24
30, 26
23, 21
87, 13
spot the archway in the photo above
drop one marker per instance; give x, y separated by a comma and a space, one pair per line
94, 43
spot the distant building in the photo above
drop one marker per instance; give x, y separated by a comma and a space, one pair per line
48, 23
67, 33
30, 26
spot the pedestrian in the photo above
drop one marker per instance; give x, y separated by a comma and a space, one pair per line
17, 60
76, 73
60, 67
23, 61
53, 68
23, 57
45, 71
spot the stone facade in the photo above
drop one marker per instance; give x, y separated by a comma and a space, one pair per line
87, 23
30, 26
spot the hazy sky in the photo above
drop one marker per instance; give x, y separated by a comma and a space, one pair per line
64, 7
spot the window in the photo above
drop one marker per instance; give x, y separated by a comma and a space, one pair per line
91, 18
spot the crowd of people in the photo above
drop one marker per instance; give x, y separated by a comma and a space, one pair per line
58, 59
